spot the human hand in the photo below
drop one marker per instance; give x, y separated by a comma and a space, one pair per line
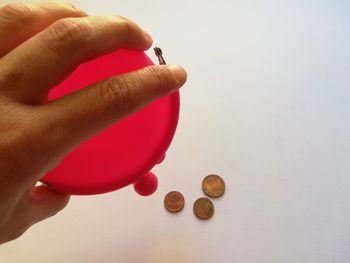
41, 44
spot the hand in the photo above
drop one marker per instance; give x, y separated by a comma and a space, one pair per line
41, 44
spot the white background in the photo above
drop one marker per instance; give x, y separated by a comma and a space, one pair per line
266, 107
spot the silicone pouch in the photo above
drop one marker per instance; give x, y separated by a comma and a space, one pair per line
124, 153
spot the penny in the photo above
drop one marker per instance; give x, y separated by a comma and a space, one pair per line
213, 185
174, 201
203, 208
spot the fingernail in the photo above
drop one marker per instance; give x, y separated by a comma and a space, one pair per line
76, 8
180, 75
147, 36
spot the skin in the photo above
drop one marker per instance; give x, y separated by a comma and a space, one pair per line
41, 44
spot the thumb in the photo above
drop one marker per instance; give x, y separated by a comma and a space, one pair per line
46, 203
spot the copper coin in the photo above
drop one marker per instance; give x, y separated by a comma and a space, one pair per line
203, 208
213, 185
174, 201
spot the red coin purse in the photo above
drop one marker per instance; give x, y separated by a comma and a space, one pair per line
124, 153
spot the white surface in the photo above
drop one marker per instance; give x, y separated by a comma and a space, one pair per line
266, 107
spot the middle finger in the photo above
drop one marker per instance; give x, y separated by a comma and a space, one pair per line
43, 61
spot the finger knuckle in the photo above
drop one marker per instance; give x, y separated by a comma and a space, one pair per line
17, 12
128, 26
117, 94
11, 77
69, 34
27, 132
21, 145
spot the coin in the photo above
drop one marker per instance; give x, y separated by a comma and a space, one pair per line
203, 208
213, 185
174, 201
